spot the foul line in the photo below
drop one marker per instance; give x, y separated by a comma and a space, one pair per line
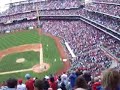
17, 71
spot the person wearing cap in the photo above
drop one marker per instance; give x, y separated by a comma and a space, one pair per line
29, 83
20, 85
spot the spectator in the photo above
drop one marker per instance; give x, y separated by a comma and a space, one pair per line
38, 85
11, 84
46, 83
87, 76
78, 72
53, 83
111, 80
20, 85
29, 83
4, 85
64, 77
72, 78
61, 84
81, 84
97, 84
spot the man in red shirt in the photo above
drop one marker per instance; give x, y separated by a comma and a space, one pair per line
29, 83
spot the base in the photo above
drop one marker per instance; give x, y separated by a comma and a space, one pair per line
38, 69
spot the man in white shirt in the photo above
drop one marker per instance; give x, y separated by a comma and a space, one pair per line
63, 76
20, 85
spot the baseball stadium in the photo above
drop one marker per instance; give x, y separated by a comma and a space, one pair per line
60, 45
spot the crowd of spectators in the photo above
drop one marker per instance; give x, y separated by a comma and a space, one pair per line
81, 36
94, 61
108, 22
105, 8
77, 80
31, 15
42, 5
28, 10
11, 18
104, 20
53, 8
18, 26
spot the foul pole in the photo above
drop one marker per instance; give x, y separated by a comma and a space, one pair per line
41, 50
41, 57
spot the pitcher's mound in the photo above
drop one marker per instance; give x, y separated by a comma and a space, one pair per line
39, 69
20, 60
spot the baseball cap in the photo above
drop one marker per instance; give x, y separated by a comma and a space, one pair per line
27, 76
20, 81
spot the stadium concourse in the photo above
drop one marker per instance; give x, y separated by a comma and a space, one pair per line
91, 30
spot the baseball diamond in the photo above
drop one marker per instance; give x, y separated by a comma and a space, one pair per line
26, 45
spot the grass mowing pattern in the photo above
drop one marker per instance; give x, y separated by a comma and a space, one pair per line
19, 38
50, 53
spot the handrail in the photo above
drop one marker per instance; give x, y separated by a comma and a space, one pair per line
106, 3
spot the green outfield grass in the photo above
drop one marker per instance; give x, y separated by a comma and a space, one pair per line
50, 53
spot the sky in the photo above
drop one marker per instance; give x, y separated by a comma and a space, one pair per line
3, 2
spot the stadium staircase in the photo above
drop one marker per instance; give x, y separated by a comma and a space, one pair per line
109, 53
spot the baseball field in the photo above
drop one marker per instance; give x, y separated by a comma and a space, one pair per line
13, 57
